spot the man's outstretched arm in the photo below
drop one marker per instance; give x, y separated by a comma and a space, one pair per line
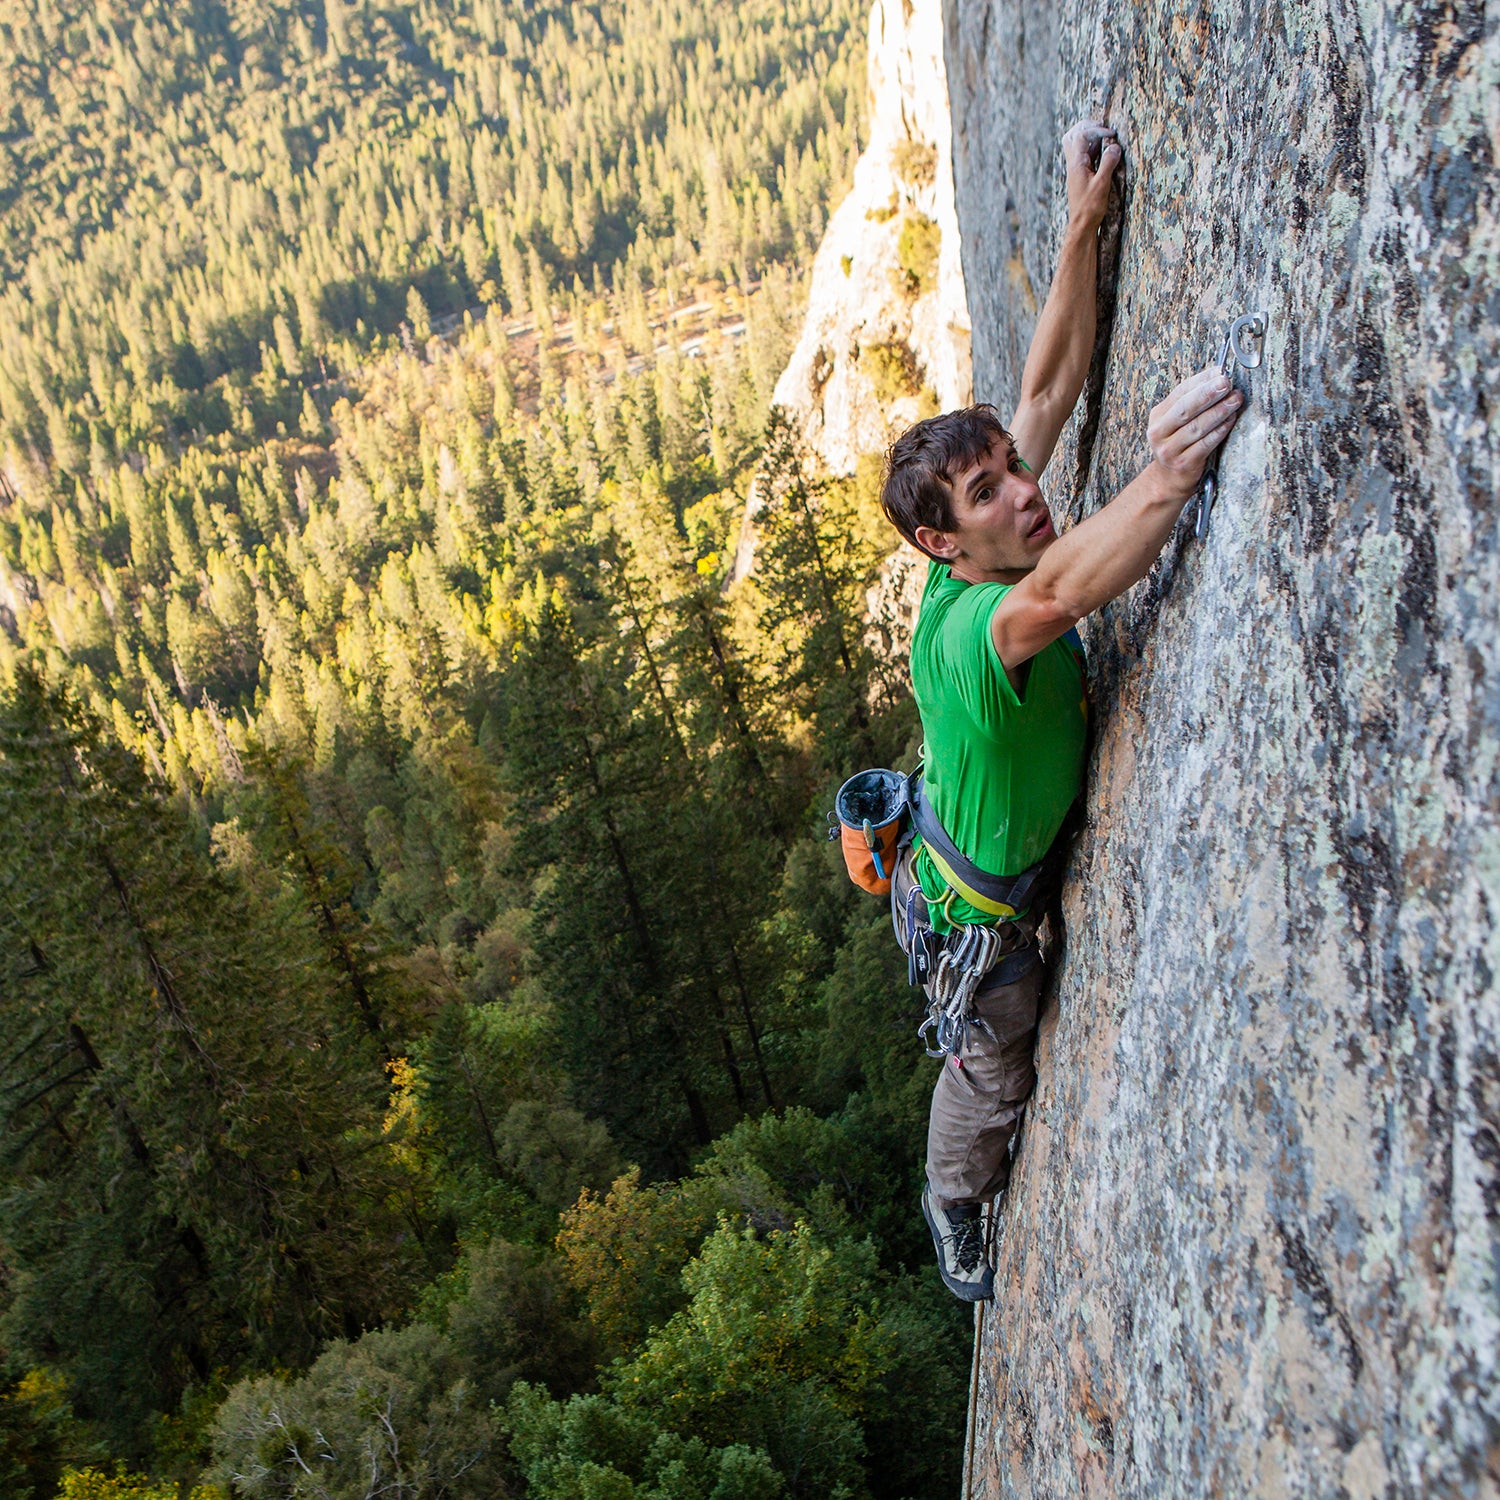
1058, 361
1105, 554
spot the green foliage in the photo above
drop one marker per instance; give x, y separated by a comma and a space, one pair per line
788, 1341
255, 191
917, 254
590, 1447
412, 1409
773, 1349
39, 1434
871, 1015
782, 1169
893, 368
813, 565
93, 1484
510, 1314
405, 805
510, 1150
391, 1411
192, 1146
625, 1253
915, 162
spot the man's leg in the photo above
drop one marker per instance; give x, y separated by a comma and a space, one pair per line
976, 1109
979, 1098
977, 1103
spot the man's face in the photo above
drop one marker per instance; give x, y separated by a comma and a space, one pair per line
1001, 524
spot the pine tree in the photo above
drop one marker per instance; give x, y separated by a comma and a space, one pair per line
192, 1141
616, 954
811, 572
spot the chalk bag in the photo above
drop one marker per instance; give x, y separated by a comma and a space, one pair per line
871, 808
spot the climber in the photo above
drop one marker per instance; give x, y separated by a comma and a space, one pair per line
997, 675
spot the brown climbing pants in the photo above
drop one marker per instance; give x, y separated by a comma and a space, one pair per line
980, 1097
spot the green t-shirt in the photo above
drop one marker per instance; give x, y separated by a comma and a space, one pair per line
1001, 769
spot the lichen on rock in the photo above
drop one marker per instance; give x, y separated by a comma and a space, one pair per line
1251, 1245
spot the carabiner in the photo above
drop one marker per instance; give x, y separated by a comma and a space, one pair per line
1246, 326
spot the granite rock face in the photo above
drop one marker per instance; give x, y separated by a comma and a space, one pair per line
1253, 1242
878, 344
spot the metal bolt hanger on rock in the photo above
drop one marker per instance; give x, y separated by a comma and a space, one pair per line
1249, 326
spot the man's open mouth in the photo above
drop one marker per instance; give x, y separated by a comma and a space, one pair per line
1041, 527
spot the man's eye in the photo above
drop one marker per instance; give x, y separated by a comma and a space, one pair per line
984, 494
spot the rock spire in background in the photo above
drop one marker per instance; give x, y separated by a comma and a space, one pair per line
887, 332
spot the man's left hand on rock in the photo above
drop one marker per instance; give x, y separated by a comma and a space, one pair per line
1088, 186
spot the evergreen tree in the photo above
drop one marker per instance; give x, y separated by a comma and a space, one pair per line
813, 565
637, 1029
192, 1141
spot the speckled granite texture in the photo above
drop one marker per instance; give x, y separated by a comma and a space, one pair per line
1253, 1243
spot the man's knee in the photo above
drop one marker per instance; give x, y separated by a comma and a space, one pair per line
968, 1138
1002, 1038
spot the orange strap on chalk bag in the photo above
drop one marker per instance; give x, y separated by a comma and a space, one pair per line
871, 809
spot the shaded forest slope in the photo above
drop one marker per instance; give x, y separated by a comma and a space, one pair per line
435, 1020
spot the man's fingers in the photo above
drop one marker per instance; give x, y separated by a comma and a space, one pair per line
1195, 394
1214, 424
1193, 422
1204, 435
1206, 423
1199, 451
1082, 143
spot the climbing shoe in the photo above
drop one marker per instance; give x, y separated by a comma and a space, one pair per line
958, 1234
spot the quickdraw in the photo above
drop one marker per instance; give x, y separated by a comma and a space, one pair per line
950, 991
1247, 326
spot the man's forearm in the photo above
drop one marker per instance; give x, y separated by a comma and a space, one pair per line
1114, 548
1089, 565
1102, 556
1058, 361
1098, 559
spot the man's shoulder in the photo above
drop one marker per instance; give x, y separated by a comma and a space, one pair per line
951, 602
942, 591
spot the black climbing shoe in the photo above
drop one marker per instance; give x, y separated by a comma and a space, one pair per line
958, 1234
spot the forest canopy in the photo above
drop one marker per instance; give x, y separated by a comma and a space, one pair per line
439, 1039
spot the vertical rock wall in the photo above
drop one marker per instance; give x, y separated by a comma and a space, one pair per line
1252, 1243
874, 346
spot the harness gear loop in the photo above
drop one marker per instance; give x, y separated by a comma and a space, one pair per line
953, 966
950, 991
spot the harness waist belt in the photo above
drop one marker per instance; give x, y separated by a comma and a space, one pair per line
998, 895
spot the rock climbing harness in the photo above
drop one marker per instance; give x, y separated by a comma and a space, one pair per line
951, 967
964, 961
1250, 326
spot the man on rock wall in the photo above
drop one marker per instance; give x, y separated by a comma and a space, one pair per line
997, 673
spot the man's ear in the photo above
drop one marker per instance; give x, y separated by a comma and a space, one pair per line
939, 544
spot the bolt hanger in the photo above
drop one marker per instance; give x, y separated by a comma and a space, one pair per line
1235, 350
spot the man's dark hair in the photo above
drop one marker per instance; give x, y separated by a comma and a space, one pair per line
922, 462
